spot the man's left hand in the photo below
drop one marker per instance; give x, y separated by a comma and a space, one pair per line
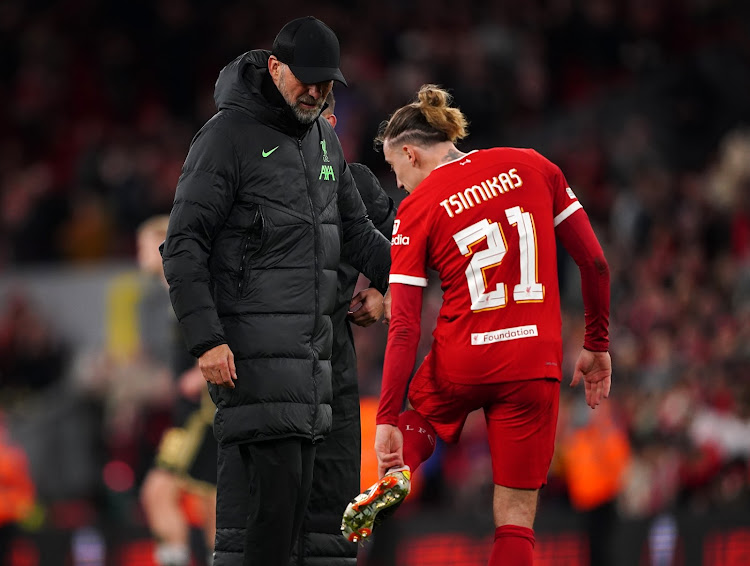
370, 307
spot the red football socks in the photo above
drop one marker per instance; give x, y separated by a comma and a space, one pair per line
514, 546
419, 438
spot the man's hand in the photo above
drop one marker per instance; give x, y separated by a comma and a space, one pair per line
370, 308
217, 366
389, 448
387, 306
596, 370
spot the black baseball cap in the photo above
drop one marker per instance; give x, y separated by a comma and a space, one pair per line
311, 49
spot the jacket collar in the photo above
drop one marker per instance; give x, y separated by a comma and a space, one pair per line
245, 84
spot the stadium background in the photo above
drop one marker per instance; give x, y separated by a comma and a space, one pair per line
645, 104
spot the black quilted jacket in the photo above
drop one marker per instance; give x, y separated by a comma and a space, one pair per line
254, 241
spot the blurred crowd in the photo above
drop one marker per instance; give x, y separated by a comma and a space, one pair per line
643, 104
100, 99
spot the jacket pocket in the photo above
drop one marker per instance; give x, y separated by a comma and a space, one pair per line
252, 242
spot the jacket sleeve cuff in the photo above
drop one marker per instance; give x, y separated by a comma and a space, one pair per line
200, 349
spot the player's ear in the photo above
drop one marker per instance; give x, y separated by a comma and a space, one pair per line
411, 155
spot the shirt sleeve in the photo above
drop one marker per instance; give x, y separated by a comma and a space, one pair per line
409, 247
401, 350
573, 229
364, 247
564, 200
203, 200
578, 238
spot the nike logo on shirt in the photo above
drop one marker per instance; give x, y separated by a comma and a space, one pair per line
269, 152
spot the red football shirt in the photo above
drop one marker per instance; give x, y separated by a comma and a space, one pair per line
486, 224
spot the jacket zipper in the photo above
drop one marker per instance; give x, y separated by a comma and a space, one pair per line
317, 286
241, 282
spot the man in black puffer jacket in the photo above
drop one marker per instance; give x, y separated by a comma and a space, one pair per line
252, 249
339, 456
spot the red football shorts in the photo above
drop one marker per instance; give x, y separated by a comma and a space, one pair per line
521, 419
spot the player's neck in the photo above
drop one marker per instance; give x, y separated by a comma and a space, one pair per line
445, 153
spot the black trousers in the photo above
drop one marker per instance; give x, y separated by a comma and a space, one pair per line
335, 483
262, 494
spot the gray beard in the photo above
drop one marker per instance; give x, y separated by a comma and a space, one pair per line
305, 116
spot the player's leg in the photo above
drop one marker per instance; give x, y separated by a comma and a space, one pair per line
438, 410
514, 511
513, 506
430, 408
521, 427
160, 499
419, 438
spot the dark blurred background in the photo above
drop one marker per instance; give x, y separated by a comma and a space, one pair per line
645, 105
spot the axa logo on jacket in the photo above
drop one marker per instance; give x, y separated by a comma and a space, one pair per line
326, 171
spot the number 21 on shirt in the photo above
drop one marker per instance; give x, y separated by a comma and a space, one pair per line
529, 289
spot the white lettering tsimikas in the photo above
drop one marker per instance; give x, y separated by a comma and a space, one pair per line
479, 194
